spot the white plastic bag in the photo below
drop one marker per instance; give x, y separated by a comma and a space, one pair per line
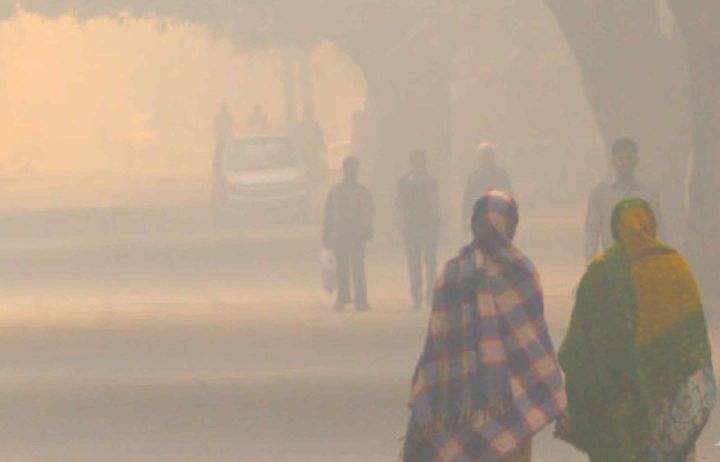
329, 271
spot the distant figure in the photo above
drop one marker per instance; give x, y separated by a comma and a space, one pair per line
258, 120
224, 125
487, 177
488, 380
419, 219
224, 128
606, 195
637, 359
347, 228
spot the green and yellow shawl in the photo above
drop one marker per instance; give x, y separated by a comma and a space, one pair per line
637, 336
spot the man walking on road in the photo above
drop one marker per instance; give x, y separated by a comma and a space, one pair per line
607, 195
488, 177
419, 219
347, 227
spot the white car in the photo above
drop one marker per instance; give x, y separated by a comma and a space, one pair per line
261, 174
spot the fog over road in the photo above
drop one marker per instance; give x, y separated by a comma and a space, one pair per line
146, 334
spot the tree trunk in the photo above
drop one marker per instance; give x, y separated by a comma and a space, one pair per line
7, 9
290, 98
699, 22
307, 86
407, 69
635, 79
406, 114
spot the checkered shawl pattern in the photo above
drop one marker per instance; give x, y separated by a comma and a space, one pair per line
488, 379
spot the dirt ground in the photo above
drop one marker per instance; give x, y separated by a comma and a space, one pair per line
144, 334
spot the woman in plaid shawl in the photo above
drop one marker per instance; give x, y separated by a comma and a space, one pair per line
488, 379
640, 381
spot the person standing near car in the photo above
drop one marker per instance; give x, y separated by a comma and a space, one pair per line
347, 227
419, 221
224, 125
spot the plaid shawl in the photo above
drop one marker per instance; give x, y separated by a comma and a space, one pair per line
488, 379
637, 357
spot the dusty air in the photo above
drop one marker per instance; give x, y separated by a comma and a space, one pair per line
359, 230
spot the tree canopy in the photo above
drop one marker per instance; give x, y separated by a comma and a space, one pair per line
248, 23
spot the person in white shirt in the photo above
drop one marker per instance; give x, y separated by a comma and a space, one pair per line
625, 159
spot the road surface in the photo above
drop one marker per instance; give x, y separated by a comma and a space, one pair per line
145, 334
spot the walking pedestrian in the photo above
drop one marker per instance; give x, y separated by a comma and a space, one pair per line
488, 380
419, 220
347, 227
637, 360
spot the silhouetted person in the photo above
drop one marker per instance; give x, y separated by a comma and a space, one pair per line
258, 121
488, 177
224, 126
598, 226
347, 228
419, 219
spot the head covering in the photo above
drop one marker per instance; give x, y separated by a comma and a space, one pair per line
488, 379
494, 221
635, 228
637, 359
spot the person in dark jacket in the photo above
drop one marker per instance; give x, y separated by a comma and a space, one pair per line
347, 227
419, 220
488, 177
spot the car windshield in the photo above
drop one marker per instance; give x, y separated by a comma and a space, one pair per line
257, 155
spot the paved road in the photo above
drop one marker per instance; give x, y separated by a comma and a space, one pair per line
185, 343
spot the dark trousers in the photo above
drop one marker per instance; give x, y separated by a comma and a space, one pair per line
350, 261
421, 245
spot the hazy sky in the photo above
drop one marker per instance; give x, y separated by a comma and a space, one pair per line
109, 94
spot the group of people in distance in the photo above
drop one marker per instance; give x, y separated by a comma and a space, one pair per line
348, 223
633, 380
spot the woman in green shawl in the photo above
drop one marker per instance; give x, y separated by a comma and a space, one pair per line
637, 361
